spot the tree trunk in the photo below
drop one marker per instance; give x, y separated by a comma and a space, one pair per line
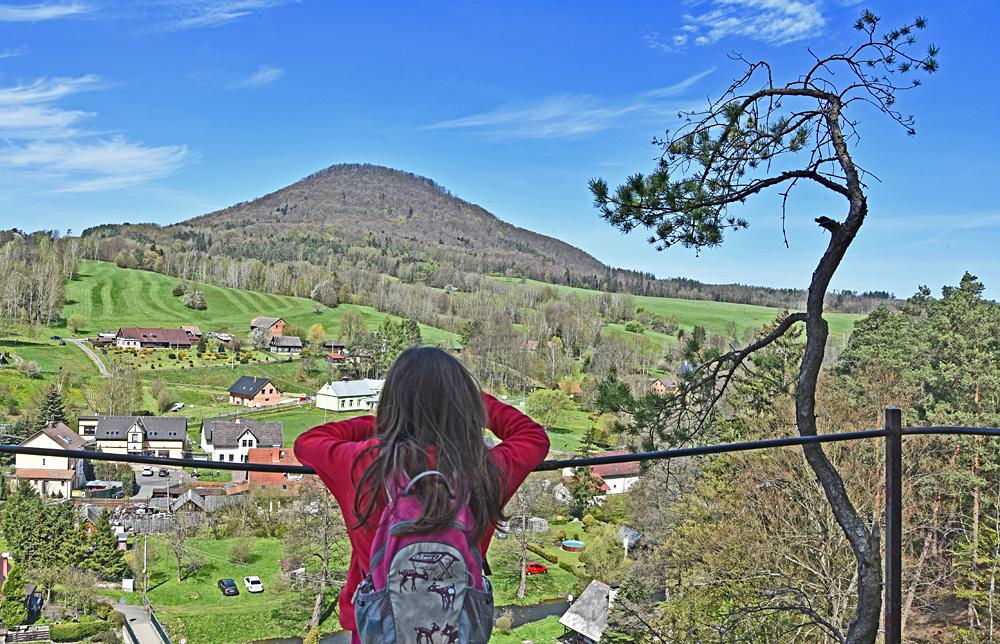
522, 588
974, 555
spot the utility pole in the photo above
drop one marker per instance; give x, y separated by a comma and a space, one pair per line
145, 575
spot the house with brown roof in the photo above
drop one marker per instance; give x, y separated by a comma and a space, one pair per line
152, 338
231, 440
251, 391
273, 326
663, 386
617, 477
52, 475
276, 482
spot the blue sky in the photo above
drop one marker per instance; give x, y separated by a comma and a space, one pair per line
112, 111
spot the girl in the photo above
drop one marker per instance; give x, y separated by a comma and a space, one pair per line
430, 417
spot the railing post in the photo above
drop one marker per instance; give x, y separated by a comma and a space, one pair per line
893, 524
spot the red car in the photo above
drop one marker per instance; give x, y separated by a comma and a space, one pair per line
535, 568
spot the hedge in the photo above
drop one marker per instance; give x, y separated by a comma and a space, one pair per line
76, 631
567, 566
544, 554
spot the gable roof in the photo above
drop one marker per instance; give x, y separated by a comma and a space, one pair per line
62, 435
155, 334
249, 385
334, 344
39, 473
352, 388
225, 433
190, 329
607, 470
589, 613
286, 341
156, 428
205, 503
263, 322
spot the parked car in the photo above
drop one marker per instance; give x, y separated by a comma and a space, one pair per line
535, 568
253, 584
55, 337
228, 587
163, 473
147, 471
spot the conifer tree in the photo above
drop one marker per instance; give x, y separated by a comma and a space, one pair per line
13, 610
52, 409
21, 516
106, 559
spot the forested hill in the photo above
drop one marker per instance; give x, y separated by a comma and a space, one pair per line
394, 223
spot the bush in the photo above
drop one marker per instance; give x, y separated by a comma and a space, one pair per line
75, 632
313, 636
103, 611
241, 551
634, 326
544, 554
504, 623
588, 521
567, 566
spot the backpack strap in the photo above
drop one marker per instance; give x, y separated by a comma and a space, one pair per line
416, 478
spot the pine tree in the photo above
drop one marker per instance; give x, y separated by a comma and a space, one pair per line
583, 486
22, 514
106, 559
13, 610
52, 409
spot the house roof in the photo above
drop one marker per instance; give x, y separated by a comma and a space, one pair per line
589, 613
284, 456
63, 436
91, 513
334, 344
156, 428
286, 341
352, 388
249, 385
225, 433
190, 329
208, 503
155, 334
39, 473
611, 470
263, 322
665, 381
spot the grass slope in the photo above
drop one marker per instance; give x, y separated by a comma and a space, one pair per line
110, 297
714, 316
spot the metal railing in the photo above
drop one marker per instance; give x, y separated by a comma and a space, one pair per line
893, 432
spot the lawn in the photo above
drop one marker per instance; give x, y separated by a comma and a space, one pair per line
545, 630
50, 356
717, 317
109, 297
195, 609
503, 557
297, 420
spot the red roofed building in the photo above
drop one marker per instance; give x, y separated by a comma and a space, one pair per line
275, 482
152, 338
617, 477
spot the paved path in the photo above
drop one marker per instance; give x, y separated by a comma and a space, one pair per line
96, 359
139, 621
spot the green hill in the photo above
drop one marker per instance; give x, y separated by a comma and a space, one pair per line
110, 297
714, 316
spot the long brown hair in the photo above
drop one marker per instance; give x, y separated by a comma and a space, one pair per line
430, 400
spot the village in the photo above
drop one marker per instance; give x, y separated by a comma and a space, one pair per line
143, 505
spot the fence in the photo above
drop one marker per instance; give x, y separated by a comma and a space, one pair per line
893, 433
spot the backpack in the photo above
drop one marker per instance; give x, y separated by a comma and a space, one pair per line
423, 589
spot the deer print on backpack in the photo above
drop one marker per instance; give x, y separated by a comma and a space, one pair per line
427, 634
447, 594
451, 633
410, 575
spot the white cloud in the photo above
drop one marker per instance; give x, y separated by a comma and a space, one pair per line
194, 14
265, 75
40, 11
572, 115
775, 22
13, 52
43, 143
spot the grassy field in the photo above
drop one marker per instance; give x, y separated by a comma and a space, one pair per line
38, 347
194, 608
540, 632
297, 420
714, 316
110, 297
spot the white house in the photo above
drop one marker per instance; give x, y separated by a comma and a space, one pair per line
350, 395
52, 475
617, 477
148, 435
231, 440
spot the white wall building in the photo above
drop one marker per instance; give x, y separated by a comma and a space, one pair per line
52, 475
349, 395
231, 440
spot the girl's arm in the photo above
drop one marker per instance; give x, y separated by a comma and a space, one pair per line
332, 447
524, 442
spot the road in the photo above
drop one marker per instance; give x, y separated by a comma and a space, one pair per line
96, 359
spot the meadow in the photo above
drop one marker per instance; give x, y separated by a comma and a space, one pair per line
718, 317
109, 297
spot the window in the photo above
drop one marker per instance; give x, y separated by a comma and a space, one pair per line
43, 462
284, 487
263, 487
231, 459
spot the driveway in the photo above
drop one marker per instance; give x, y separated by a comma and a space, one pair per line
96, 359
175, 476
141, 625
